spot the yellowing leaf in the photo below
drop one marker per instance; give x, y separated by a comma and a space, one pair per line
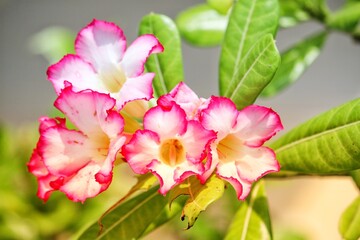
200, 196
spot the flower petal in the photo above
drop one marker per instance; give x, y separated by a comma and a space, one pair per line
63, 151
229, 172
256, 124
137, 53
184, 97
105, 173
167, 122
102, 44
76, 71
141, 150
256, 162
83, 184
134, 89
44, 178
196, 141
169, 176
94, 120
220, 116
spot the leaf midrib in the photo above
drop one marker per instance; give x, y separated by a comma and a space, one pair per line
314, 136
157, 63
126, 215
249, 69
242, 42
248, 212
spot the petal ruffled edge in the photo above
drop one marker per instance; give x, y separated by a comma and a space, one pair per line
256, 124
138, 52
101, 43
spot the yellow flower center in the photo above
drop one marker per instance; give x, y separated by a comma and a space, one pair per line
172, 152
113, 79
229, 148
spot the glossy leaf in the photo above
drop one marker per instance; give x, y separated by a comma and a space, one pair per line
129, 219
356, 177
200, 196
294, 62
168, 65
252, 220
326, 144
254, 73
346, 18
350, 221
202, 25
250, 20
291, 14
222, 6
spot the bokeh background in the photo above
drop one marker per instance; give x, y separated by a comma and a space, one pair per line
307, 208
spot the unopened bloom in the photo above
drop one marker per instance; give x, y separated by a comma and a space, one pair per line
170, 146
237, 154
78, 162
103, 64
186, 98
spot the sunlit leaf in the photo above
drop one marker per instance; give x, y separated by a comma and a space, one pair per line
356, 177
346, 18
326, 144
130, 219
250, 20
294, 63
350, 221
254, 73
222, 6
202, 25
168, 65
291, 13
53, 43
252, 220
200, 196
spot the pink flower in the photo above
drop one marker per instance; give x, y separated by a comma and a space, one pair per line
103, 64
237, 154
170, 146
78, 162
186, 99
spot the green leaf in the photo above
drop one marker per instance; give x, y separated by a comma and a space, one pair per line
168, 65
291, 14
326, 144
345, 19
316, 8
165, 215
350, 221
252, 220
255, 72
222, 6
356, 177
53, 43
200, 196
294, 63
250, 20
202, 26
130, 219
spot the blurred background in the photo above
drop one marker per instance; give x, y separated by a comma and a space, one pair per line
304, 208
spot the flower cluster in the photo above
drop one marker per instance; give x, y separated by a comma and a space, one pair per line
104, 92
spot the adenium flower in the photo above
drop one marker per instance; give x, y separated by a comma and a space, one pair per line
170, 146
186, 98
78, 162
237, 154
103, 64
